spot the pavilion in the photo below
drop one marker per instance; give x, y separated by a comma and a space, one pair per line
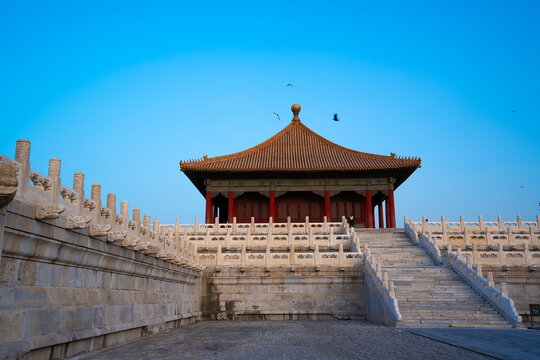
298, 173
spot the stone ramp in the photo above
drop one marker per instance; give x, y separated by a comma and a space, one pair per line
428, 295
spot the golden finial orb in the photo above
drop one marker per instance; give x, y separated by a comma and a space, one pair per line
296, 109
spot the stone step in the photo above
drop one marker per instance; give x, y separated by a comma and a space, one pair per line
453, 324
428, 295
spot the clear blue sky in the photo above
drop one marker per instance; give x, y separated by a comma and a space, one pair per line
124, 90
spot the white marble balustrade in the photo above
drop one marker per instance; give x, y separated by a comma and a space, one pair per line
53, 200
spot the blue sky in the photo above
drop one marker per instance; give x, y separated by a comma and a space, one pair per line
124, 90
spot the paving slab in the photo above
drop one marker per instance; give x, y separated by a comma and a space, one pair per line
325, 340
499, 343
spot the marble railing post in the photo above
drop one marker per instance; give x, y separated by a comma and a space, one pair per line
481, 225
478, 269
95, 195
146, 222
111, 205
385, 279
137, 217
500, 223
22, 156
78, 186
462, 226
124, 211
54, 174
155, 226
519, 223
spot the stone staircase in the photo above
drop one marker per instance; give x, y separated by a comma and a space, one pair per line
428, 295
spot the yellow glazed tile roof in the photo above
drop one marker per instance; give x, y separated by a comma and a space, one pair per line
297, 148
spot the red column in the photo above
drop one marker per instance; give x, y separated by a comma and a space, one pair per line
273, 206
369, 210
387, 212
392, 210
231, 207
327, 205
381, 216
363, 212
208, 216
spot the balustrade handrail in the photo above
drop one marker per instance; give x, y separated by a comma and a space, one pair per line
499, 299
384, 286
483, 226
53, 200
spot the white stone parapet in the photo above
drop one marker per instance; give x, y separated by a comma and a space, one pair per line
424, 240
511, 232
53, 200
495, 243
382, 288
485, 287
263, 244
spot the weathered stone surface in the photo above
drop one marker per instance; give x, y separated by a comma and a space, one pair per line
281, 294
116, 236
99, 230
8, 182
300, 340
77, 222
48, 212
63, 292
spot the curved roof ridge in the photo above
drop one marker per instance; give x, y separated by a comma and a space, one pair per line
298, 148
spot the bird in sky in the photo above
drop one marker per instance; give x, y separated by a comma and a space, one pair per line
521, 186
290, 85
514, 110
335, 118
277, 116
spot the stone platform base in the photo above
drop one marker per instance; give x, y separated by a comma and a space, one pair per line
23, 350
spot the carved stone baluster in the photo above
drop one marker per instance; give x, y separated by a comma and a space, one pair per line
22, 156
111, 205
137, 217
52, 210
146, 221
78, 221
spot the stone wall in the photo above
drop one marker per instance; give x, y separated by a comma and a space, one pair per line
63, 292
304, 293
523, 287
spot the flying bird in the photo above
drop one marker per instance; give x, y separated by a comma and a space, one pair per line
521, 186
514, 110
335, 118
290, 85
277, 116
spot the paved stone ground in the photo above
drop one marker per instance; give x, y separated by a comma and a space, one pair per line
285, 340
508, 344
